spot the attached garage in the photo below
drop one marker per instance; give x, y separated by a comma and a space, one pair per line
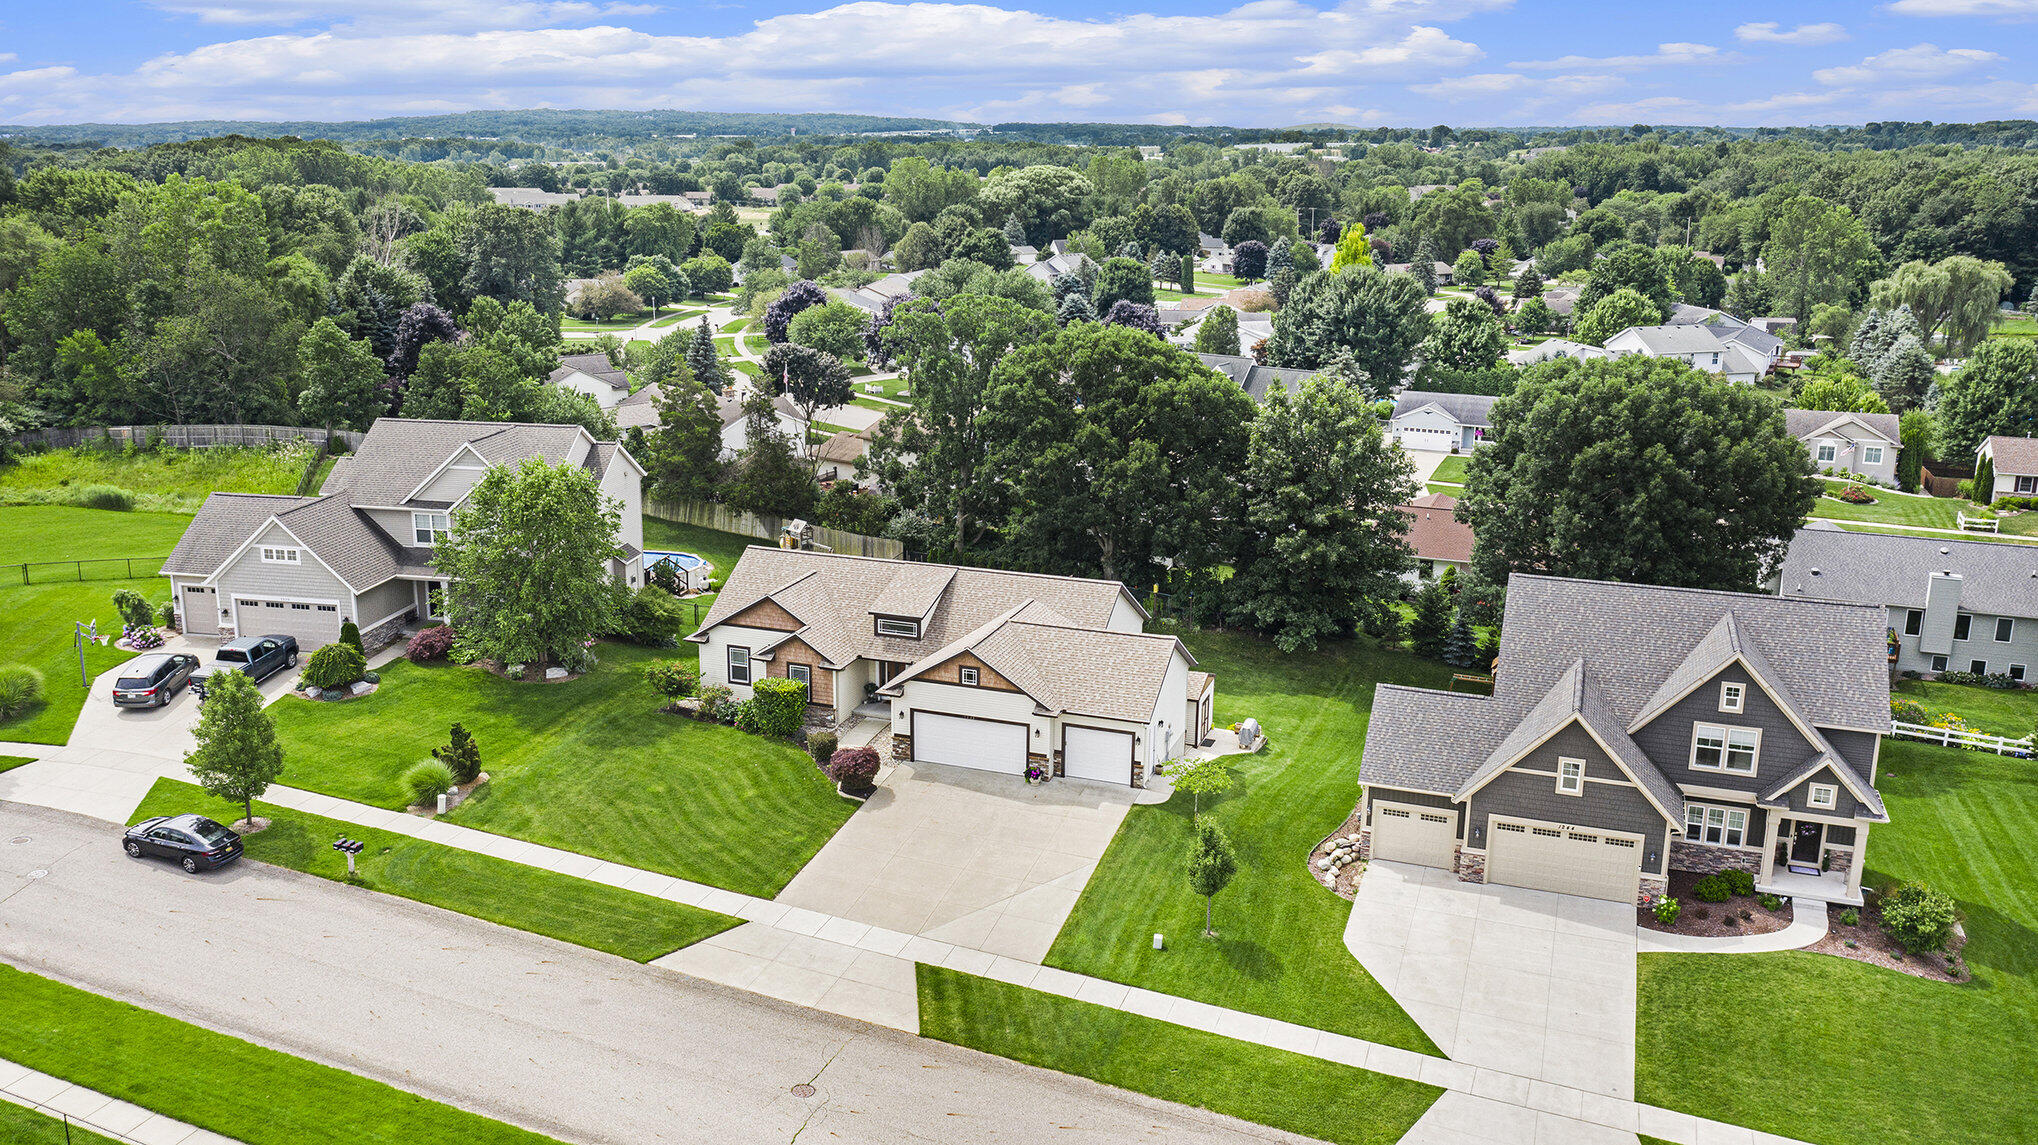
199, 608
1427, 437
315, 623
1405, 833
1098, 754
1568, 860
963, 741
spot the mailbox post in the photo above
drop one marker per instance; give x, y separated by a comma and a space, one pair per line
349, 848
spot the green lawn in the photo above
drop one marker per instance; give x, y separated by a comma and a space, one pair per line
1997, 711
1281, 948
721, 548
10, 762
2016, 326
634, 926
2007, 538
166, 479
736, 327
608, 326
677, 317
235, 1088
588, 766
1892, 508
750, 368
1305, 1095
23, 1126
894, 387
1842, 1053
758, 344
1451, 470
36, 619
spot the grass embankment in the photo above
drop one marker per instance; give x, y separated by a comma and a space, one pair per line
235, 1088
164, 480
1998, 711
1306, 1095
635, 926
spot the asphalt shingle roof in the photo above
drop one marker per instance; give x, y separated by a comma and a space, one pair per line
595, 366
1871, 568
220, 527
1256, 380
1465, 409
2014, 454
399, 453
1802, 423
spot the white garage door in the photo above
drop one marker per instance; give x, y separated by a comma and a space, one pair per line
986, 745
1095, 753
1568, 860
1408, 834
314, 623
1417, 437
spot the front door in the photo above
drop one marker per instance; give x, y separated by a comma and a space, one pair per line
1804, 843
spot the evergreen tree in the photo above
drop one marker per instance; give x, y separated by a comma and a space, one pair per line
682, 453
1075, 308
769, 478
1423, 265
1431, 627
1218, 332
1528, 284
1014, 232
462, 756
1461, 644
707, 369
1904, 375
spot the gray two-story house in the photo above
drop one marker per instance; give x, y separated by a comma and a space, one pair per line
361, 550
1952, 605
1634, 730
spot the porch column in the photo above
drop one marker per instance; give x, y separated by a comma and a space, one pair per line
1860, 859
1769, 820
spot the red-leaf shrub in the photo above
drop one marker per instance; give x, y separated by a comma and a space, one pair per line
854, 767
430, 644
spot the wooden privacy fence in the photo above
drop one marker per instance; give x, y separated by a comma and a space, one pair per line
721, 518
183, 436
1973, 741
104, 568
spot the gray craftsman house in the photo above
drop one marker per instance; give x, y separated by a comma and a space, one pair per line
1635, 730
1952, 606
361, 550
1863, 443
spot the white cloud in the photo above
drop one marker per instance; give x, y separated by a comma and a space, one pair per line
1804, 35
1486, 84
387, 15
1674, 55
1920, 61
2008, 9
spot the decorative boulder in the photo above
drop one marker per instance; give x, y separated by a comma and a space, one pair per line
313, 693
361, 687
555, 673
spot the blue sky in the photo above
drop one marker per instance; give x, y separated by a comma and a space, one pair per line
1264, 63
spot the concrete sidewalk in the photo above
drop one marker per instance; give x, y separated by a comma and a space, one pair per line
1807, 925
90, 1109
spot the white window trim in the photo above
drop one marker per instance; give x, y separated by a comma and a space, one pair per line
1914, 621
804, 673
1733, 697
1828, 452
1940, 663
1963, 626
968, 676
910, 629
1871, 455
1725, 827
1568, 781
731, 665
1726, 737
1822, 796
430, 528
2001, 637
2018, 671
2025, 484
281, 555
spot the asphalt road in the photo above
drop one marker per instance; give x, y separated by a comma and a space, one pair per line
578, 1044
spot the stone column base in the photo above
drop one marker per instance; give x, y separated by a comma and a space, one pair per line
1471, 867
902, 747
1652, 887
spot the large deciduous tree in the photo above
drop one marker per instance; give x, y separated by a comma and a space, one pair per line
342, 379
1615, 313
1636, 469
237, 756
1323, 533
1374, 316
512, 255
1996, 393
778, 317
1218, 332
527, 564
1467, 336
1957, 295
1817, 253
812, 380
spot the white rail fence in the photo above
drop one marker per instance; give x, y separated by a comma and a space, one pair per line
1973, 741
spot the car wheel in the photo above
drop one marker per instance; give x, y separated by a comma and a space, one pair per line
190, 865
133, 849
163, 698
292, 662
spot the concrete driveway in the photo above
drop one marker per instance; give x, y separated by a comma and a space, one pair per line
1529, 983
966, 857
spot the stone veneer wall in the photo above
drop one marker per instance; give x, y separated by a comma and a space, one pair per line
1708, 859
1365, 843
1651, 887
383, 634
1471, 867
902, 746
1842, 859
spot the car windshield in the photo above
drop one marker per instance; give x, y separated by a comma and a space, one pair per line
210, 831
231, 656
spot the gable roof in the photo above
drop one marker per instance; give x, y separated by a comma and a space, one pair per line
639, 410
1575, 698
2013, 454
595, 366
221, 527
1677, 339
1804, 423
1063, 667
1873, 568
1725, 645
400, 454
1256, 380
1435, 530
1848, 777
1465, 409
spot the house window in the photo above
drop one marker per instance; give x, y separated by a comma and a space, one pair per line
1978, 667
1718, 748
1938, 663
1871, 455
2016, 671
279, 556
910, 629
2027, 484
803, 673
1723, 826
1732, 697
2005, 626
1828, 452
1570, 777
1914, 621
1962, 625
739, 665
429, 528
969, 677
1823, 795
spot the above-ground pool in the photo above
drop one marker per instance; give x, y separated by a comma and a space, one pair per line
694, 569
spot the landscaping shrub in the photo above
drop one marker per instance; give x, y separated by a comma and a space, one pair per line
673, 678
166, 613
779, 707
111, 497
2006, 503
334, 666
1988, 680
1667, 910
1770, 902
1850, 917
821, 745
462, 756
1907, 711
430, 644
427, 781
20, 689
1739, 881
714, 699
1918, 917
652, 618
742, 715
134, 609
350, 635
1712, 888
1855, 495
855, 768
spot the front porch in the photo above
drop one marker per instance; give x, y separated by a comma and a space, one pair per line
1830, 887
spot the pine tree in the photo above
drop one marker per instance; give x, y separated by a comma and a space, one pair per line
1014, 232
708, 369
1075, 308
1423, 265
350, 633
1461, 645
462, 756
1431, 626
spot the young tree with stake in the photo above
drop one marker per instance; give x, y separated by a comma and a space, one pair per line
1211, 866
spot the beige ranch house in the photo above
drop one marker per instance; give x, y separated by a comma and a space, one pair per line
975, 668
361, 550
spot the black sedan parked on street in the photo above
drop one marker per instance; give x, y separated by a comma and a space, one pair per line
195, 842
153, 680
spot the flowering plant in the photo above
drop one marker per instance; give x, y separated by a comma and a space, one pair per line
1036, 774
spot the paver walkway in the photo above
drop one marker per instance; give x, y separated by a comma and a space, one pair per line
93, 1110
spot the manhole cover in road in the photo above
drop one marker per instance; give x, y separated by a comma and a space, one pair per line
18, 840
37, 874
803, 1090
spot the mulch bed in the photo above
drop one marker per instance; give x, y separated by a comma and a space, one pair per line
1346, 884
1723, 919
1866, 942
